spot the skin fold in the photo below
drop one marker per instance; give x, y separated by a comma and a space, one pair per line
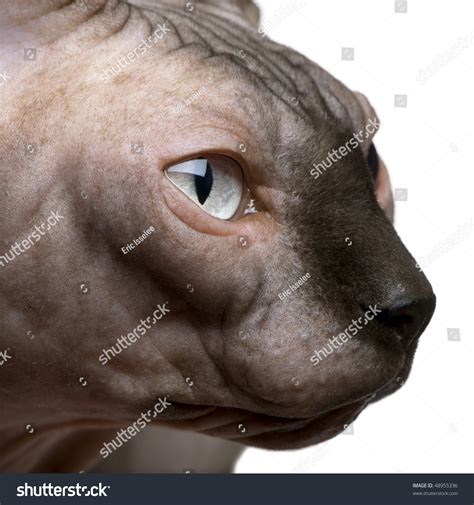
95, 151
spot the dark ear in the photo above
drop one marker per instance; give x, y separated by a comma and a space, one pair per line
368, 112
382, 186
243, 10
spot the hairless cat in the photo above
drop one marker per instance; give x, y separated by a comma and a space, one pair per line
196, 241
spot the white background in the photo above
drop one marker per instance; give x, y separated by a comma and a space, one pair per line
428, 426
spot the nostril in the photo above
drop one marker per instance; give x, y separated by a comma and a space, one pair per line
408, 317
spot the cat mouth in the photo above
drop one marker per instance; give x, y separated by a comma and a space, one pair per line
270, 432
277, 432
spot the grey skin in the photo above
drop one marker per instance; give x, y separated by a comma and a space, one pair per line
246, 351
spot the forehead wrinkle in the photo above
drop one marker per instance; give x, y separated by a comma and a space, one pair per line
226, 37
229, 38
284, 72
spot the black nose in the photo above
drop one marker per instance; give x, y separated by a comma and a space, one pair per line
408, 317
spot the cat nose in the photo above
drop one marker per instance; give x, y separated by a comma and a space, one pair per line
408, 316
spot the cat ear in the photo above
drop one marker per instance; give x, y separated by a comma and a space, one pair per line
370, 120
382, 186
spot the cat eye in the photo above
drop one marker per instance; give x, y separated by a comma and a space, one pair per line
214, 183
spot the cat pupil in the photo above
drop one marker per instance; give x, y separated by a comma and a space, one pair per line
203, 185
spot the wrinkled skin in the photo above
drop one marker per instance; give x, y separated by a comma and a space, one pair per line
246, 351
